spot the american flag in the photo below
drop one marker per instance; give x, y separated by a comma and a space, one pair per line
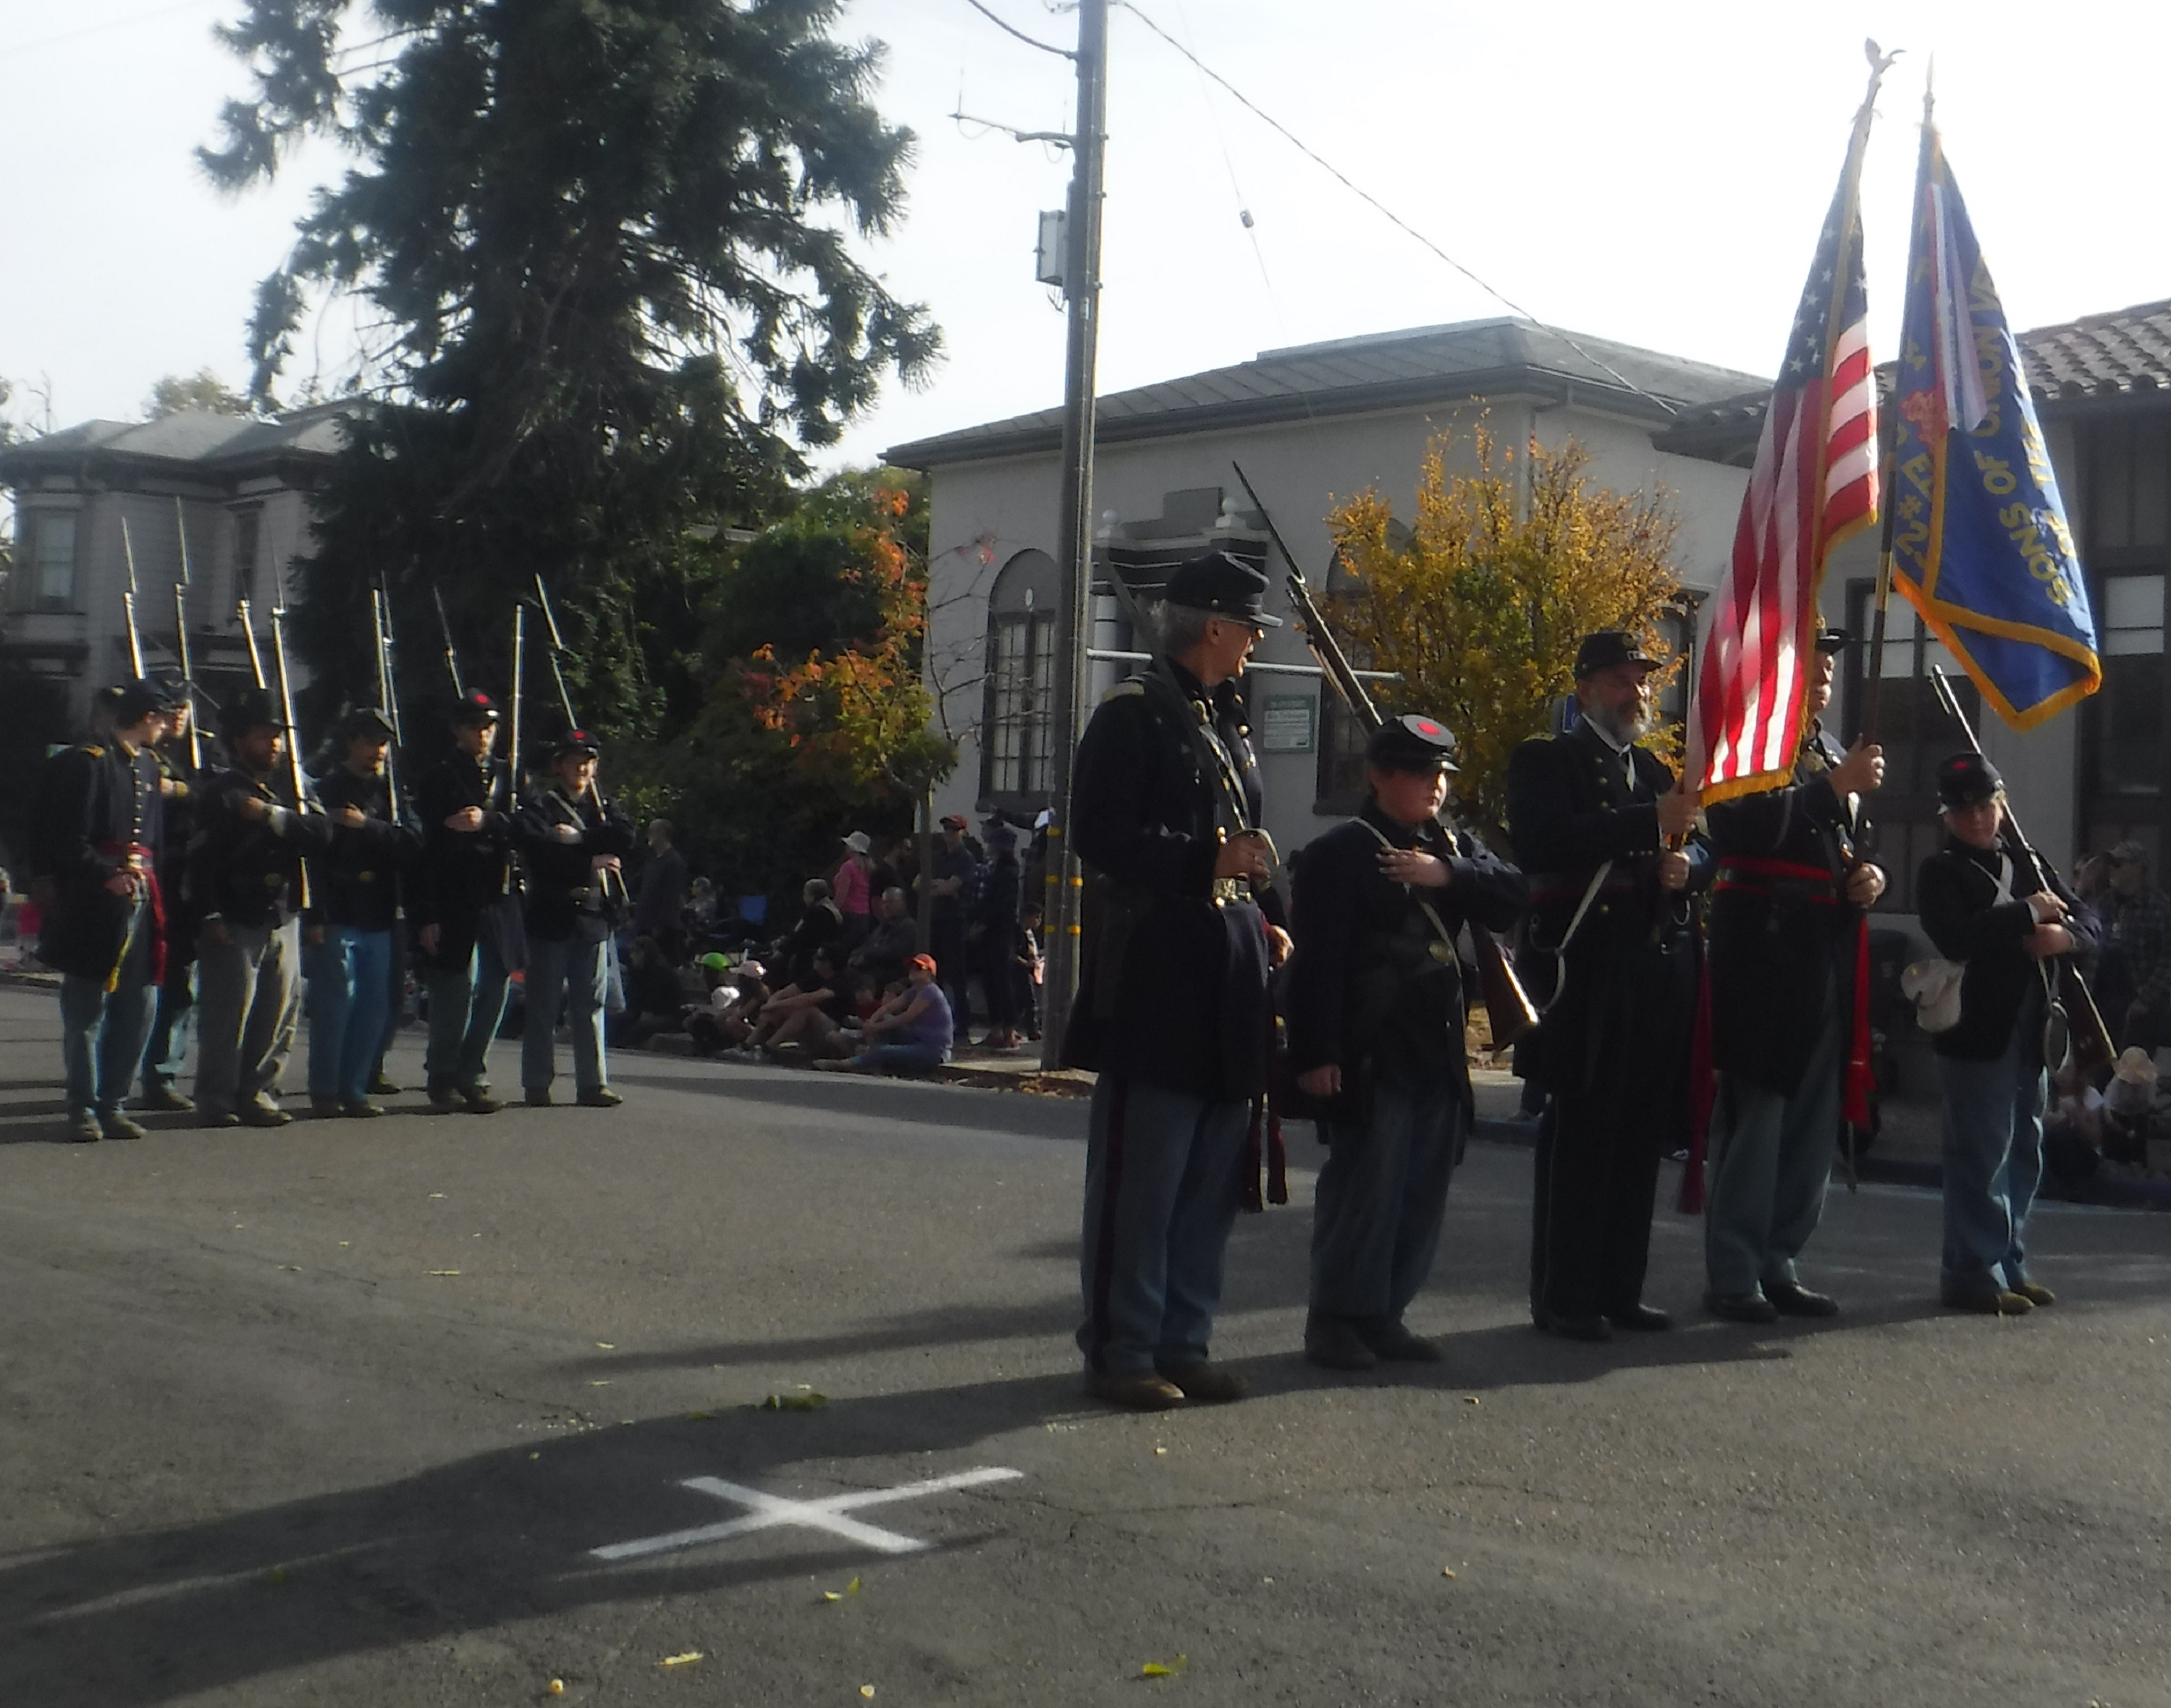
1815, 484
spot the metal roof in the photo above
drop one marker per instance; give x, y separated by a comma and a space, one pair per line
1387, 370
188, 441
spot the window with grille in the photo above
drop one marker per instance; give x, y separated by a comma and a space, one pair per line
1018, 724
248, 535
51, 559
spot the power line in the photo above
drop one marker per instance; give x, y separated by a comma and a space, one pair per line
111, 24
1009, 29
1381, 207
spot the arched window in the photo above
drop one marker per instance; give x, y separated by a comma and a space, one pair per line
1017, 726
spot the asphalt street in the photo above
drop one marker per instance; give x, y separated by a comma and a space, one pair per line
342, 1415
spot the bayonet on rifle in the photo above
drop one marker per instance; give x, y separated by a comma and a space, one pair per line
181, 633
128, 605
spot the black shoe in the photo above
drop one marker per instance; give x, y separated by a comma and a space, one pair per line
538, 1097
363, 1111
599, 1097
1992, 1300
1396, 1344
381, 1086
1645, 1318
1741, 1306
1333, 1343
262, 1111
1792, 1298
323, 1105
115, 1125
479, 1101
1592, 1327
206, 1116
444, 1099
82, 1128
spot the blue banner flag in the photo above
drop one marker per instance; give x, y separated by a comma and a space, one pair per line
1980, 544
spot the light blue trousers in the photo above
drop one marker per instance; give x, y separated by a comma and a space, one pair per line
1161, 1193
466, 1006
349, 1000
564, 979
102, 1031
1381, 1197
1993, 1156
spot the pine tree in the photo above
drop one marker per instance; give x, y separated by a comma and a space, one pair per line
607, 249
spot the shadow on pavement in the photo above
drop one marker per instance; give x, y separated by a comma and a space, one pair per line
971, 1108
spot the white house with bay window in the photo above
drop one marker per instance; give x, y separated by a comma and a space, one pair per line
1311, 425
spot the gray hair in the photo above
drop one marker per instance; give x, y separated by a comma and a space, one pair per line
1183, 627
816, 889
895, 895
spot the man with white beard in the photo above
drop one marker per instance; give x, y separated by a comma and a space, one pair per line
1606, 838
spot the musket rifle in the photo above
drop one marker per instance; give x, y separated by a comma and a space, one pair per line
1508, 1005
181, 633
128, 604
386, 694
512, 733
451, 655
286, 712
555, 645
2091, 1039
249, 635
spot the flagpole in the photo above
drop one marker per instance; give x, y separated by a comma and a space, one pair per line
1873, 693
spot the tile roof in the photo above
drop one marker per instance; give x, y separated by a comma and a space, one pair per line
1387, 370
2125, 354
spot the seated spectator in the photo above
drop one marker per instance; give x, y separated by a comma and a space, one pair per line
894, 940
819, 927
810, 1011
727, 1019
2129, 1101
655, 1001
912, 1036
701, 907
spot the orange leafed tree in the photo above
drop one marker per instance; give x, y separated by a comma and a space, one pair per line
1479, 604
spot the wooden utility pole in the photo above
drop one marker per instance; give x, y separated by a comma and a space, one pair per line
1073, 621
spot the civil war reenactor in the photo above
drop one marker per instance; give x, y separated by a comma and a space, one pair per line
1608, 840
1789, 962
177, 780
1374, 999
465, 906
100, 830
572, 843
244, 882
357, 888
1172, 1008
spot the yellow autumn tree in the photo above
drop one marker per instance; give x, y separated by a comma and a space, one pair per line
1480, 603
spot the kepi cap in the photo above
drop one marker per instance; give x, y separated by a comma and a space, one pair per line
576, 741
1412, 742
1607, 648
2129, 853
473, 708
1966, 779
1831, 640
131, 702
1223, 585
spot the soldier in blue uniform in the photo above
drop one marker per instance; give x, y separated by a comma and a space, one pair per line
357, 890
1787, 951
466, 907
245, 882
1605, 836
1173, 1009
572, 843
99, 836
167, 1043
1375, 1005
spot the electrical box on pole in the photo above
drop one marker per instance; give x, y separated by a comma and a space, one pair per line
1052, 258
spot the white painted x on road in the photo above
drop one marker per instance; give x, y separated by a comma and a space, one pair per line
772, 1511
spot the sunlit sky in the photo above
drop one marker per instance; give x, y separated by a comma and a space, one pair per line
1652, 173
